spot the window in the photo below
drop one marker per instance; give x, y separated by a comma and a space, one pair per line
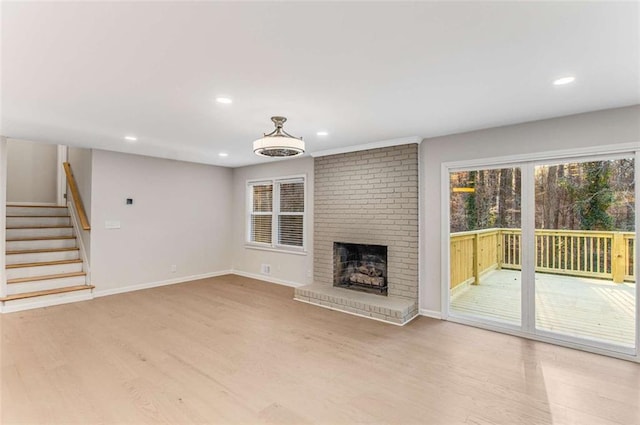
277, 213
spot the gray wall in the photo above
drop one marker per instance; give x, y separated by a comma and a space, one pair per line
31, 172
181, 216
81, 163
287, 268
612, 126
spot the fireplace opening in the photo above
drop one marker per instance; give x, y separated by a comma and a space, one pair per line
360, 267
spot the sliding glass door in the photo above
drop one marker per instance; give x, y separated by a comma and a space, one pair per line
485, 229
546, 248
584, 250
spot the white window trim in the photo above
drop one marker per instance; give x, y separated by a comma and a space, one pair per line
274, 246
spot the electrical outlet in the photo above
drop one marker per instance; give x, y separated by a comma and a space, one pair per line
265, 269
173, 268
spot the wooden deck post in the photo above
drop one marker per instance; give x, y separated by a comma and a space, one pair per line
476, 259
617, 257
499, 252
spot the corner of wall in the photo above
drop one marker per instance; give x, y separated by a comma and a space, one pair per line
3, 214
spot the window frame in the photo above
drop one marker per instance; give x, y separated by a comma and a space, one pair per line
276, 213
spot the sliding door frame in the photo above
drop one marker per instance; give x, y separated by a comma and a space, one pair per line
446, 313
527, 164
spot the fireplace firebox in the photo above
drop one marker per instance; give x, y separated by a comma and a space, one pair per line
360, 267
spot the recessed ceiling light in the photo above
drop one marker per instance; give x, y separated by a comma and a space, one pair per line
224, 100
322, 133
130, 138
223, 154
564, 80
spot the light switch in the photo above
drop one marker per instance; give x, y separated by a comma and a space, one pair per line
112, 224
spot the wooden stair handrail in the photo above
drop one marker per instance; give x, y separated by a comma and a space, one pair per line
77, 200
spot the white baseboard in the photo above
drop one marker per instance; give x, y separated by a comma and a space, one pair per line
114, 291
431, 313
268, 279
45, 303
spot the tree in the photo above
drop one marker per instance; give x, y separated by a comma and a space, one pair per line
470, 203
596, 197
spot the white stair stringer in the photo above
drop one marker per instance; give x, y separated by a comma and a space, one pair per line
44, 263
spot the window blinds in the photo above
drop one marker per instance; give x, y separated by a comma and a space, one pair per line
291, 215
262, 213
277, 213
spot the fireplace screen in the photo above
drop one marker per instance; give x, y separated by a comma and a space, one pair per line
360, 267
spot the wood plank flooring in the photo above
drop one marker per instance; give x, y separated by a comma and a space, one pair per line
233, 350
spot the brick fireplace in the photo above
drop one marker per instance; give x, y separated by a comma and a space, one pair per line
370, 198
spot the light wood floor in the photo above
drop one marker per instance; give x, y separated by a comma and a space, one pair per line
594, 309
236, 350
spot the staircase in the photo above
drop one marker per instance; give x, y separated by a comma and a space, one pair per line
43, 263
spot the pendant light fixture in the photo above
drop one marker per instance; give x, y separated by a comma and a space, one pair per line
278, 143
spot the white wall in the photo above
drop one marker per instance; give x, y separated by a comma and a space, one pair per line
3, 215
81, 162
31, 172
286, 268
613, 126
180, 216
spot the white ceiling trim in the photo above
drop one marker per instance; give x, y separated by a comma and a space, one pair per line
367, 146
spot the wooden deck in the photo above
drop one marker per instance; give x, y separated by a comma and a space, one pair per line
588, 308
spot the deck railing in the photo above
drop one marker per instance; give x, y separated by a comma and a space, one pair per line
596, 254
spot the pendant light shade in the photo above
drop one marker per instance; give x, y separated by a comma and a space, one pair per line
278, 143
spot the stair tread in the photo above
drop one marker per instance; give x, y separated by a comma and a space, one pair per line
40, 227
45, 277
37, 251
43, 263
38, 216
35, 206
46, 292
41, 238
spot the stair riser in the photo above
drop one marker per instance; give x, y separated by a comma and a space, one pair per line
32, 233
53, 299
43, 270
37, 221
43, 285
40, 244
38, 257
15, 210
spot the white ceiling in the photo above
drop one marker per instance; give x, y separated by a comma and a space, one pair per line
87, 74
